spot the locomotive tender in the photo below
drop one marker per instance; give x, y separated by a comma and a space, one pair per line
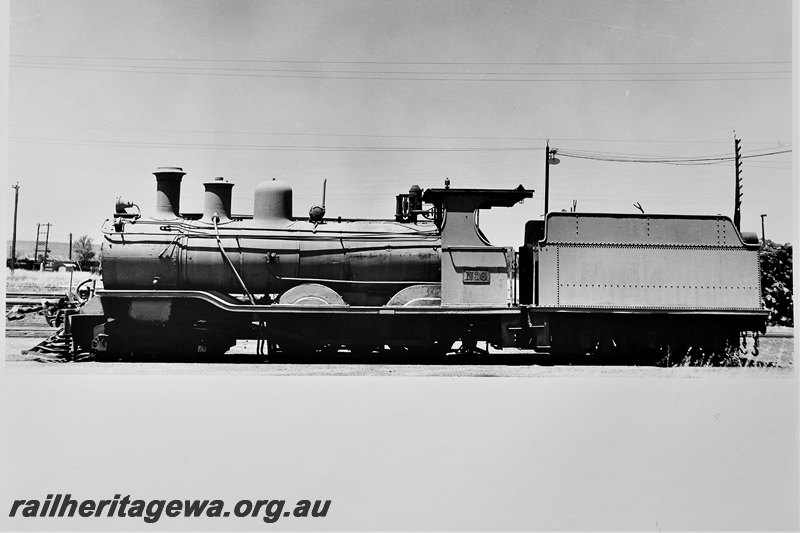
178, 283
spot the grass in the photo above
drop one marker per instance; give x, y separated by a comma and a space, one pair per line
34, 281
770, 352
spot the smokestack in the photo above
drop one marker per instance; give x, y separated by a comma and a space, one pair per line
168, 192
217, 201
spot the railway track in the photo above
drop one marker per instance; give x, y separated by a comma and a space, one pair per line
31, 298
30, 331
27, 308
36, 295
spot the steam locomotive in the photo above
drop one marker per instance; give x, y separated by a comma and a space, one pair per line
179, 283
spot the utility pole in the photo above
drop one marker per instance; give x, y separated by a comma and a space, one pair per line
737, 206
46, 243
549, 159
763, 238
36, 250
14, 235
70, 246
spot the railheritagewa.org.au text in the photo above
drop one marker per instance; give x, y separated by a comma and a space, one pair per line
153, 510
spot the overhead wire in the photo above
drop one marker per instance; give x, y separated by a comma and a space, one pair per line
576, 154
312, 148
180, 69
389, 62
375, 136
177, 66
131, 70
704, 160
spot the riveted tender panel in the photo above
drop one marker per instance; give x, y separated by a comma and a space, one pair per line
647, 262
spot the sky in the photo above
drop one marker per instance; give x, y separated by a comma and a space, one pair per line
376, 96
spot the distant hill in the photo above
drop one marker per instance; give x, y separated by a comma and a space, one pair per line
58, 250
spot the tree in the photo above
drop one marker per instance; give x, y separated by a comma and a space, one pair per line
84, 249
776, 282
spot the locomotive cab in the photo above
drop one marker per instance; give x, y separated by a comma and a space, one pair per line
474, 272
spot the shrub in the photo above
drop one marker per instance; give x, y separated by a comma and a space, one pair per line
776, 282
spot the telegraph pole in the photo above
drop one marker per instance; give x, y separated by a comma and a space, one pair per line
70, 246
46, 243
14, 236
549, 159
36, 250
763, 238
737, 206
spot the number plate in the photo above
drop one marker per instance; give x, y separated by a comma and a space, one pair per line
476, 276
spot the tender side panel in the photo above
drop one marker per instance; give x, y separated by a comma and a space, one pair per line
641, 229
703, 268
649, 276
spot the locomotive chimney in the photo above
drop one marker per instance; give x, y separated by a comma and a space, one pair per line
168, 192
217, 201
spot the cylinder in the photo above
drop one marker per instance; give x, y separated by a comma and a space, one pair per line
168, 192
217, 201
272, 203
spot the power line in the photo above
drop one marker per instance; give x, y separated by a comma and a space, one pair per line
642, 156
576, 154
329, 62
131, 70
375, 136
666, 160
654, 158
180, 69
311, 148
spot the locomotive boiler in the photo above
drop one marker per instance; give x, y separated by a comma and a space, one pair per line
183, 283
364, 262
